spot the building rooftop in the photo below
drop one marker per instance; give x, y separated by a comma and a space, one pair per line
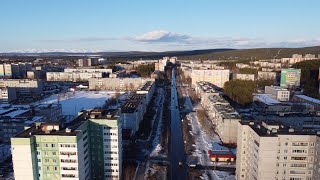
68, 129
274, 129
218, 100
278, 88
132, 104
146, 86
16, 113
307, 98
266, 99
227, 111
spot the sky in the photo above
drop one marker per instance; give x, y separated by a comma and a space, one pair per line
150, 25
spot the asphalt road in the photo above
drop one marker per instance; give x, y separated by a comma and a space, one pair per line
177, 153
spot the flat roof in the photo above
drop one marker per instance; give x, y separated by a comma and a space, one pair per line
71, 127
266, 99
307, 98
279, 129
16, 113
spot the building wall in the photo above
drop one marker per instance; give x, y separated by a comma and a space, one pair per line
267, 75
278, 93
23, 160
272, 157
216, 77
117, 83
23, 86
249, 77
290, 77
72, 76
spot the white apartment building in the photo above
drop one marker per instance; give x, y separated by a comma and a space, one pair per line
267, 75
268, 150
241, 65
248, 77
23, 86
223, 117
214, 76
72, 76
117, 83
278, 93
88, 70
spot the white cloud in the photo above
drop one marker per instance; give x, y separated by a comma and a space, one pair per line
162, 36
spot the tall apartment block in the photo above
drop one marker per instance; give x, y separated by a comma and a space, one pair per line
89, 147
267, 150
15, 70
290, 77
215, 76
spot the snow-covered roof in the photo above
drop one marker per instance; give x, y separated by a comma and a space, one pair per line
2, 111
266, 99
16, 113
307, 98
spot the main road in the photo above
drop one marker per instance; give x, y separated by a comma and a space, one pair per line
177, 153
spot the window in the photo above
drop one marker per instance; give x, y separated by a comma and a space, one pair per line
299, 165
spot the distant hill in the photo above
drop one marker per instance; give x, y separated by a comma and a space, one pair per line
259, 53
206, 54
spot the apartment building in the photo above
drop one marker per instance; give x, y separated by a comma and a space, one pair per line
268, 150
7, 95
9, 70
83, 62
90, 147
223, 117
298, 58
15, 70
263, 75
248, 77
72, 76
13, 118
215, 76
23, 87
118, 84
241, 65
147, 89
306, 99
278, 93
88, 70
132, 112
93, 61
290, 77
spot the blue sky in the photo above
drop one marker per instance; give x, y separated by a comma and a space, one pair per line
149, 25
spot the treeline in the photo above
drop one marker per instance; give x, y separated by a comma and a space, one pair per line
309, 77
253, 54
145, 70
248, 71
240, 91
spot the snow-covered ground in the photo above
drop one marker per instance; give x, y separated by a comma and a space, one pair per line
204, 142
73, 102
159, 110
